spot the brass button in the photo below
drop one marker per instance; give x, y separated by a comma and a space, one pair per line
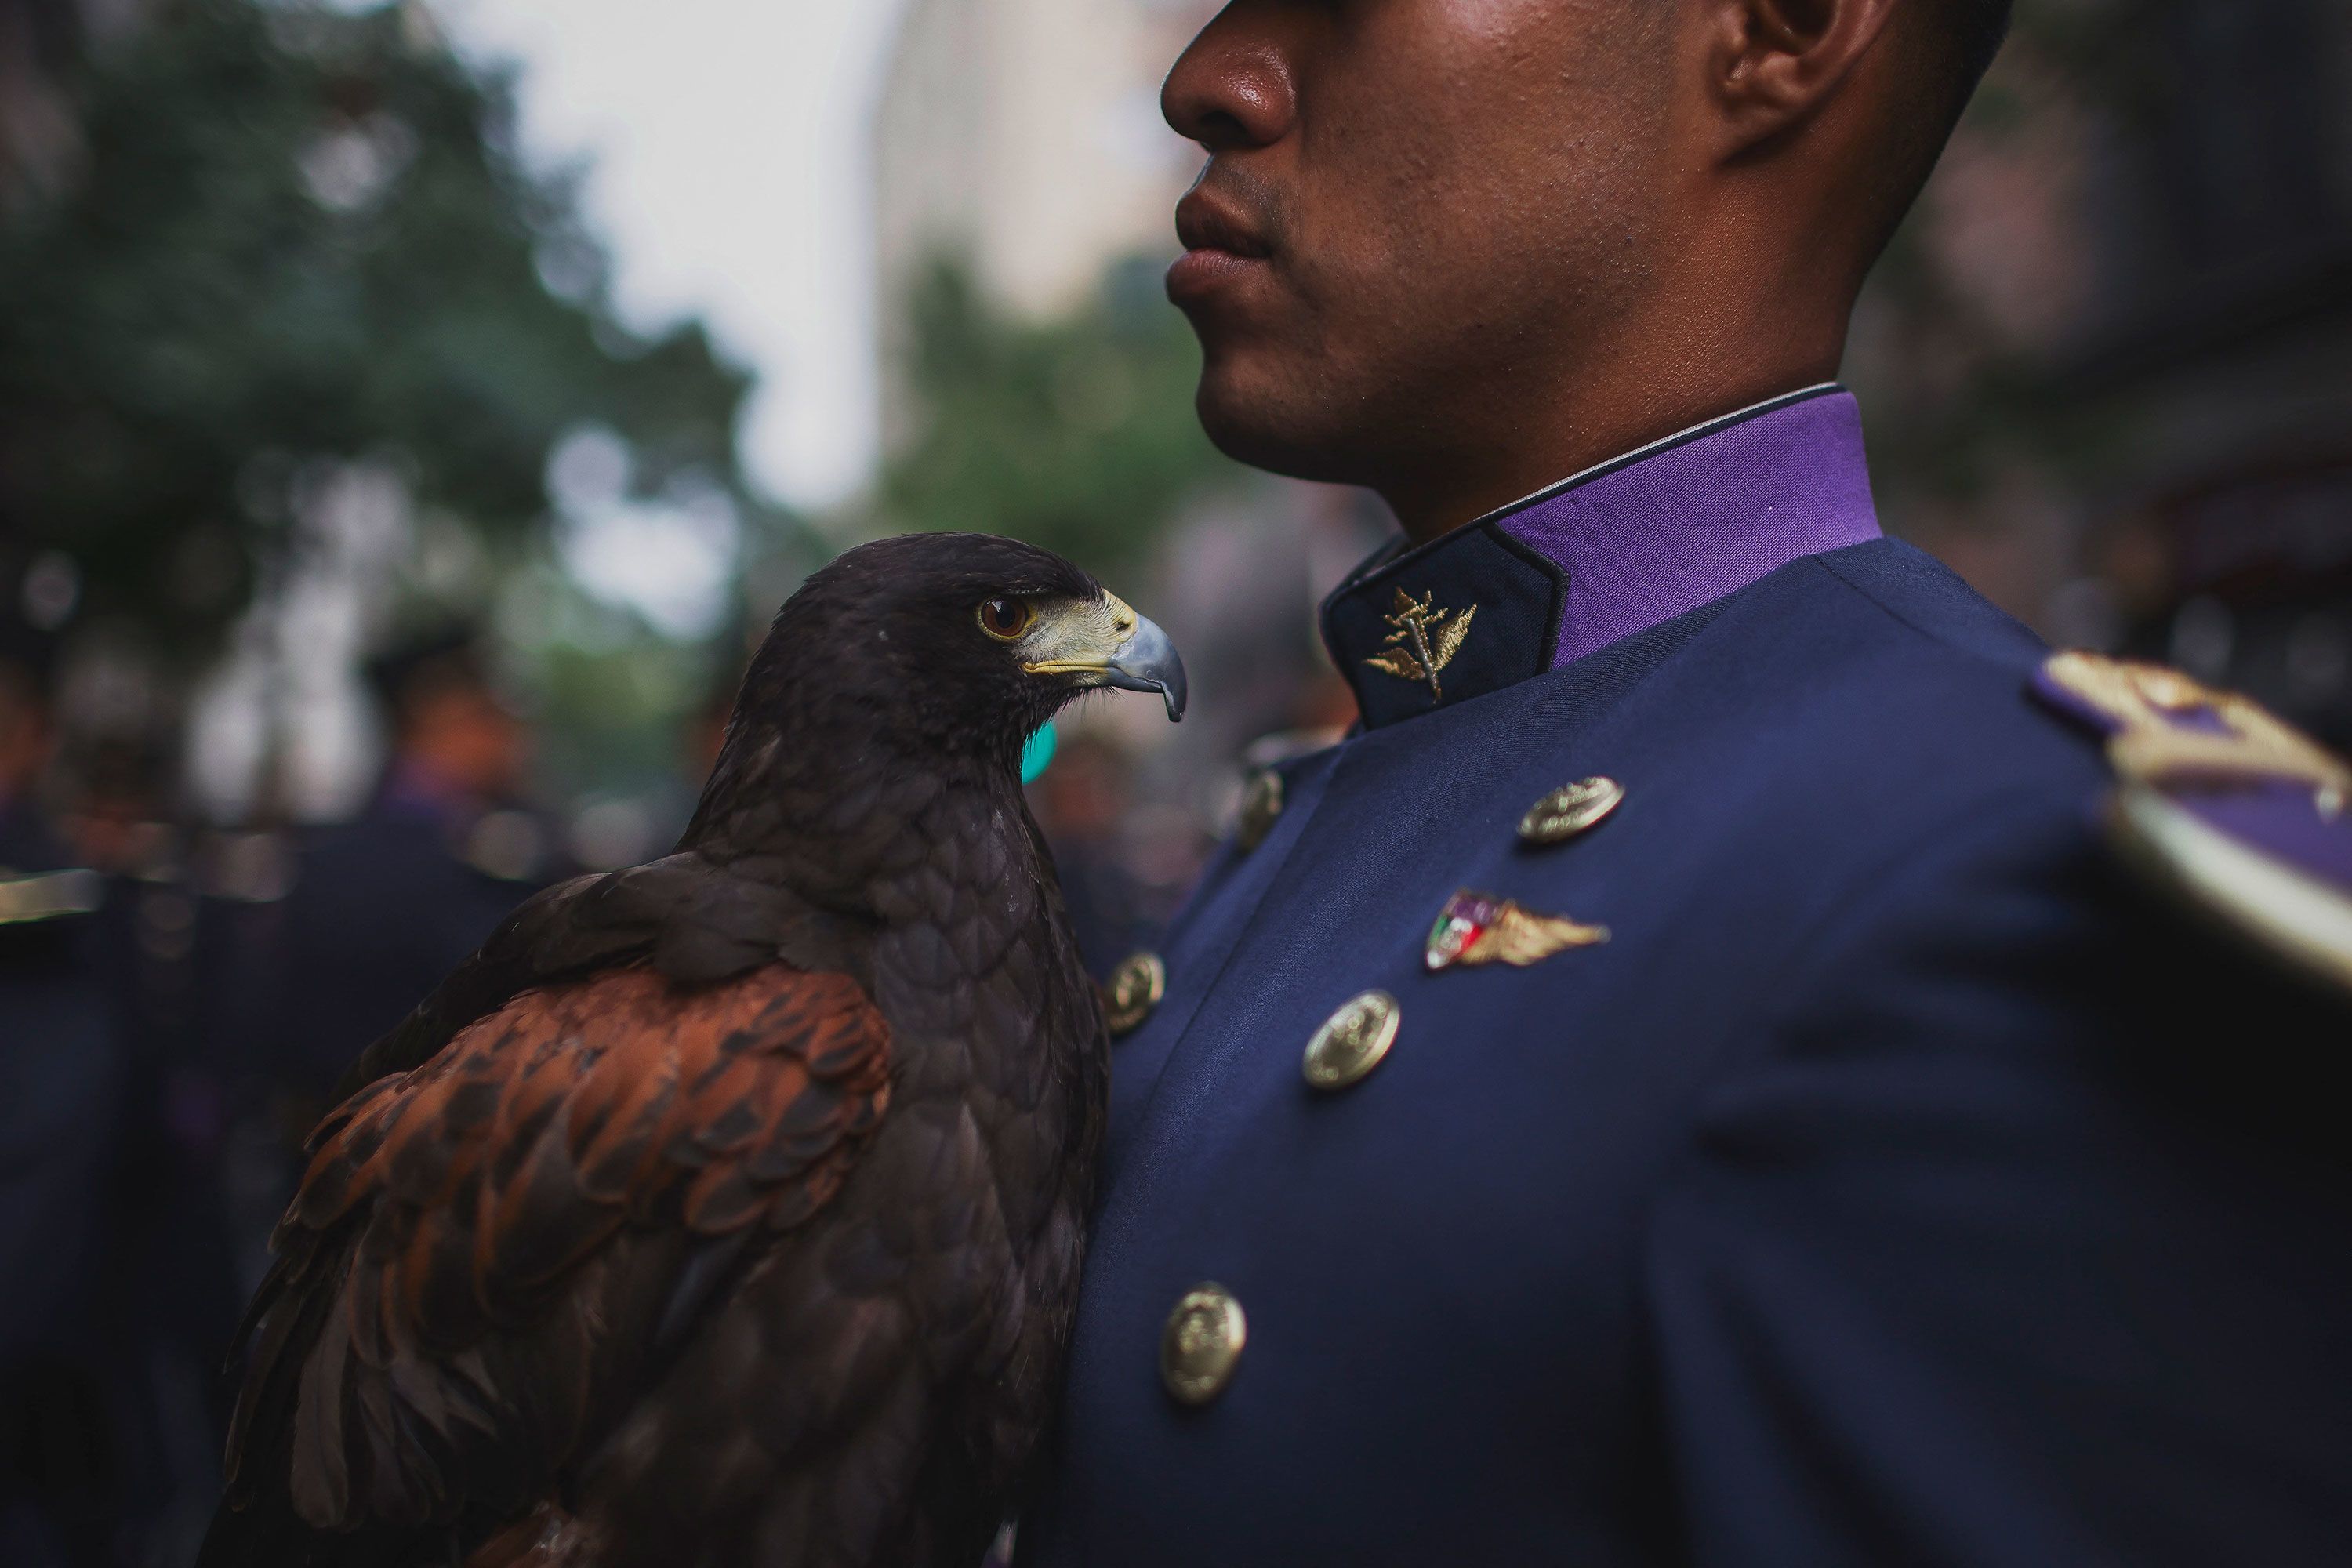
1261, 804
1202, 1342
1352, 1041
1569, 810
1135, 989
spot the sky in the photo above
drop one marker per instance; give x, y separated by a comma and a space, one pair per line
729, 166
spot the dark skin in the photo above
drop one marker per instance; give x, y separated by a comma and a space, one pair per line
1455, 251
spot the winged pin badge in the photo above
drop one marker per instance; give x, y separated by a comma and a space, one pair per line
1477, 928
1424, 641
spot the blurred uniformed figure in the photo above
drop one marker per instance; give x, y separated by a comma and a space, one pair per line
1744, 1057
1080, 801
62, 1085
385, 905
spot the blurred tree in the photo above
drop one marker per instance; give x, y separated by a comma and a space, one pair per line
294, 237
1075, 434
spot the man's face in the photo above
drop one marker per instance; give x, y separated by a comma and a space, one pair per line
1416, 214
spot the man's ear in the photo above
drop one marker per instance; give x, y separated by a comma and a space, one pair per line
1772, 63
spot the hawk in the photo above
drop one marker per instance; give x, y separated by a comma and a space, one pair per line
729, 1209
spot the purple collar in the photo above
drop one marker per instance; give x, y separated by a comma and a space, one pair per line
1619, 548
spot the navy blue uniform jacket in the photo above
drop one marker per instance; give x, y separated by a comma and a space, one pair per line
1900, 1183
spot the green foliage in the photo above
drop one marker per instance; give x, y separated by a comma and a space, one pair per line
1076, 434
613, 719
292, 235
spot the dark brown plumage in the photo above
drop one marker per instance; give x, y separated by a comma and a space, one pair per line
726, 1210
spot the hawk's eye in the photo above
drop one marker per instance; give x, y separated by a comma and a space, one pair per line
1006, 619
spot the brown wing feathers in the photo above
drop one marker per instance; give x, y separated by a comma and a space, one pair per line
694, 922
487, 1193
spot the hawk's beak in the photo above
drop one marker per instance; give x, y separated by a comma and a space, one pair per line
1103, 642
1147, 661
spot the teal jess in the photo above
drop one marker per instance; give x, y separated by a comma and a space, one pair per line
1037, 753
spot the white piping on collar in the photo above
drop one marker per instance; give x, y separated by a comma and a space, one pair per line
1625, 460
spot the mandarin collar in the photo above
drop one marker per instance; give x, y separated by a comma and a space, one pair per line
1614, 550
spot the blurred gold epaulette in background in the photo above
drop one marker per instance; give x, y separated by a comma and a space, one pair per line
28, 897
2221, 806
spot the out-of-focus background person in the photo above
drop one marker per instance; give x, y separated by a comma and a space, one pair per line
62, 1074
409, 415
384, 905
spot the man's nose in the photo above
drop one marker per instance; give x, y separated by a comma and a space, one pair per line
1233, 87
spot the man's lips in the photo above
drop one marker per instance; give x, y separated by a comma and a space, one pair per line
1204, 222
1198, 273
1220, 244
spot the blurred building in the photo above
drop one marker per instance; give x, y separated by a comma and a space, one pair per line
1024, 137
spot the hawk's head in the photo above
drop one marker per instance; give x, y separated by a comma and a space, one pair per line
958, 642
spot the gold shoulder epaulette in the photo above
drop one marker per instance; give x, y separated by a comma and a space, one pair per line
2222, 802
47, 895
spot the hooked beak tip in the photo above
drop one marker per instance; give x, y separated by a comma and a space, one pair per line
1148, 661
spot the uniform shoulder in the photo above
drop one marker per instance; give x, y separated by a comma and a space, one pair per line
1932, 603
2212, 803
1947, 668
1852, 722
2214, 808
1829, 721
1884, 683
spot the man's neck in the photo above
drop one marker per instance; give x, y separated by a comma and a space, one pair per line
1684, 373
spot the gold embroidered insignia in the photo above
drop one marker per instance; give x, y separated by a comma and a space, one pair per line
1478, 928
1425, 639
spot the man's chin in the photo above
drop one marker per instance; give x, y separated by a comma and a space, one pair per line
1266, 424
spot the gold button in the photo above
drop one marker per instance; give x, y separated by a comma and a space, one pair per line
1352, 1041
1202, 1342
1569, 810
1261, 804
1135, 989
